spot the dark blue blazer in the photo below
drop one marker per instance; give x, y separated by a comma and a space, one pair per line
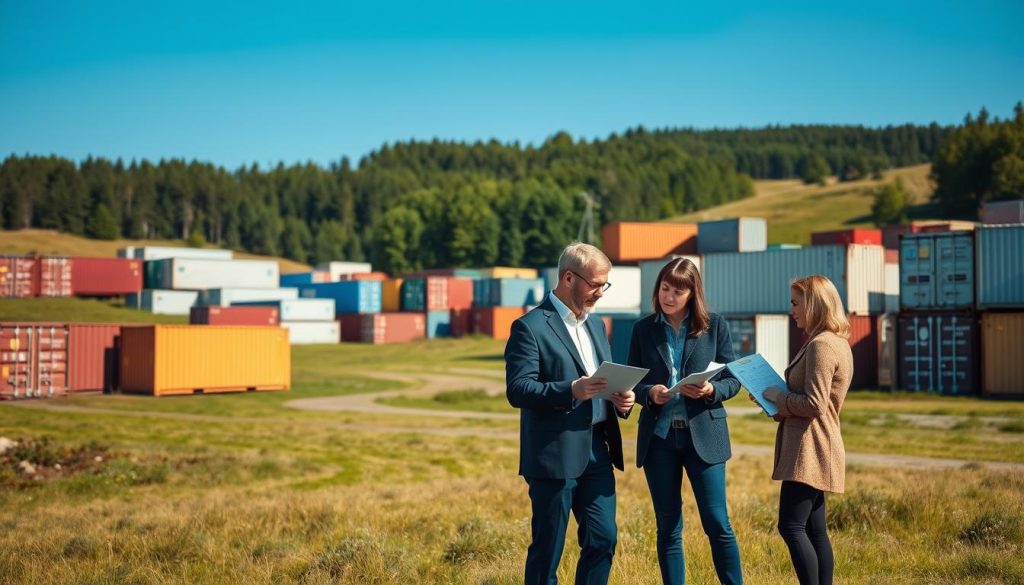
649, 348
555, 430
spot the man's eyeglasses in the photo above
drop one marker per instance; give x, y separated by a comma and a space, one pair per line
604, 287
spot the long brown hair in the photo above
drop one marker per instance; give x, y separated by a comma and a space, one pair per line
682, 273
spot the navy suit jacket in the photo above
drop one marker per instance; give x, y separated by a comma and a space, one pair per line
555, 430
649, 348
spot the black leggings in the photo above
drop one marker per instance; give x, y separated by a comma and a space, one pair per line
802, 526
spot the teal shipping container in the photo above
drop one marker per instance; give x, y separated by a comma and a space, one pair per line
1000, 266
508, 292
937, 271
439, 324
353, 296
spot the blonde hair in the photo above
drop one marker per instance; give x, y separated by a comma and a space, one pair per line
822, 305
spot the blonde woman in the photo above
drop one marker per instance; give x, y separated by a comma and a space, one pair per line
810, 458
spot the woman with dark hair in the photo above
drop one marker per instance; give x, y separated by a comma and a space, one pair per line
685, 430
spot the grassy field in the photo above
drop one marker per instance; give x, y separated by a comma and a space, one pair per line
794, 210
50, 242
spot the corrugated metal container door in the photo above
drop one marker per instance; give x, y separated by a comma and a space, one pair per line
741, 234
307, 332
33, 360
996, 212
93, 356
17, 276
54, 279
857, 272
767, 335
16, 358
937, 271
1000, 264
634, 241
649, 270
888, 328
234, 316
1002, 350
439, 324
180, 359
104, 277
938, 353
414, 294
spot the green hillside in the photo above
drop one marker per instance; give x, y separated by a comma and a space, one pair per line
77, 310
794, 210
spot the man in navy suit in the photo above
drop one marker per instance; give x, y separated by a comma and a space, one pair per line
569, 439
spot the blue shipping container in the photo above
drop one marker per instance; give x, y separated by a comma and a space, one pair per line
622, 334
413, 296
740, 234
439, 324
1000, 266
937, 271
510, 292
355, 296
297, 279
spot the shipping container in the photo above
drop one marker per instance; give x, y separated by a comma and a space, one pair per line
865, 236
378, 328
94, 356
1000, 266
461, 322
937, 271
225, 297
33, 360
892, 288
1002, 351
17, 276
635, 241
163, 302
439, 324
163, 252
758, 282
309, 332
508, 292
391, 295
784, 247
436, 293
953, 225
496, 322
336, 269
458, 272
888, 343
938, 353
1002, 212
213, 315
358, 296
767, 335
621, 334
891, 233
863, 344
54, 276
105, 277
378, 276
649, 270
892, 256
195, 274
298, 309
507, 272
182, 359
300, 278
740, 234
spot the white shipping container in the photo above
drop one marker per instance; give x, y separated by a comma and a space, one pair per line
758, 282
337, 269
892, 287
163, 302
767, 335
162, 252
225, 297
299, 309
649, 270
199, 274
622, 297
305, 332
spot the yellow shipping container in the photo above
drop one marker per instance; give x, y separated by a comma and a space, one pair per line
508, 272
391, 295
1002, 354
196, 359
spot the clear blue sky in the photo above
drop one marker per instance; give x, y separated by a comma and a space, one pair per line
236, 83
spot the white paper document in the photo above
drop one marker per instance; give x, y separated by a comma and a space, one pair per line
621, 378
698, 378
757, 375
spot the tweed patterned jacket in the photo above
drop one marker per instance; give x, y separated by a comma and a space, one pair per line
808, 445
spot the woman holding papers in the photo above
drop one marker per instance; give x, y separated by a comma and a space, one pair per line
810, 458
683, 424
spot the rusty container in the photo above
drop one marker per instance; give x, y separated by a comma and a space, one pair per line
33, 360
17, 276
182, 359
635, 241
53, 276
393, 327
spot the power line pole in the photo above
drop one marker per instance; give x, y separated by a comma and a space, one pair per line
587, 221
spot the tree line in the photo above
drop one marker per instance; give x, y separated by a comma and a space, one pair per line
423, 204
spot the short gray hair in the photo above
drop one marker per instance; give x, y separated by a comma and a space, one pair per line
577, 256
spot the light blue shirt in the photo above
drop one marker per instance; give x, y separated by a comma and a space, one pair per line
674, 409
584, 346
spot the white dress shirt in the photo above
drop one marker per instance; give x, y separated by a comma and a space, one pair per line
584, 345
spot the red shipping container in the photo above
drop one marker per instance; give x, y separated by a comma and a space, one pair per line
94, 356
380, 328
462, 322
460, 293
863, 344
234, 316
381, 276
845, 237
53, 276
351, 326
17, 276
496, 322
105, 277
33, 360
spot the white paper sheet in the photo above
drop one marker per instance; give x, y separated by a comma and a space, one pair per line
698, 378
621, 378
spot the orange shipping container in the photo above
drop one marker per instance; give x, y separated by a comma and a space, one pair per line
1002, 354
391, 295
496, 322
181, 359
634, 241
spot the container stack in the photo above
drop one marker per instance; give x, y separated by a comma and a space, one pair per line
1000, 300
